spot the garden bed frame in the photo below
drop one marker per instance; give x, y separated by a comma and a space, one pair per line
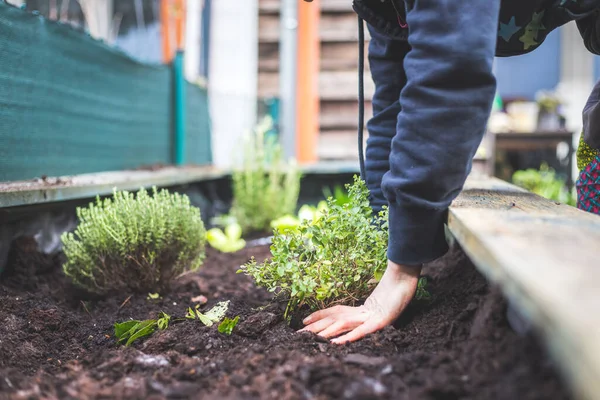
545, 257
542, 254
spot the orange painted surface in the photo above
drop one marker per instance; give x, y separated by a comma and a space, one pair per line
165, 30
172, 19
307, 101
179, 15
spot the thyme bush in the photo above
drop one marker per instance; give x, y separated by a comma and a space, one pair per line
335, 258
134, 243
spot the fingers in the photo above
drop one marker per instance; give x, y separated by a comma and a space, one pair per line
321, 314
370, 326
319, 325
338, 328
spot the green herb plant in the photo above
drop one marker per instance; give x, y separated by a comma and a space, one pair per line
134, 243
130, 331
265, 186
229, 241
545, 183
334, 259
226, 327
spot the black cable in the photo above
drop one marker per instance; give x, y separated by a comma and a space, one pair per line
361, 96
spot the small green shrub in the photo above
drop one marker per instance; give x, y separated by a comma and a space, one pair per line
136, 243
545, 183
264, 187
335, 258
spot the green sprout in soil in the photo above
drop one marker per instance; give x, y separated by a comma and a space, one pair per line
134, 242
153, 296
229, 241
226, 327
334, 259
422, 293
212, 316
265, 187
131, 331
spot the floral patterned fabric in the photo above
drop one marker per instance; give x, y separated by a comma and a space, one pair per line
588, 187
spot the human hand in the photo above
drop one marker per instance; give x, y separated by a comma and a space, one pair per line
392, 294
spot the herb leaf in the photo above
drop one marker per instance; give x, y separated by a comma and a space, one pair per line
226, 327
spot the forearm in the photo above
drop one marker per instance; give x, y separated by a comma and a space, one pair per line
445, 108
386, 58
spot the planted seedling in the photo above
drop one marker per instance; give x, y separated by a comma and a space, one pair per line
229, 241
334, 259
209, 318
153, 296
130, 331
422, 293
226, 327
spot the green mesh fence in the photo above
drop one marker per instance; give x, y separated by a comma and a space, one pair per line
70, 104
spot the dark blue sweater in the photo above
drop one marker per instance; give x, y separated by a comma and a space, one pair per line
433, 99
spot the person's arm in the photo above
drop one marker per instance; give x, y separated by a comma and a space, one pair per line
589, 28
445, 108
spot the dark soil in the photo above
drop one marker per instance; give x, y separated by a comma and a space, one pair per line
459, 345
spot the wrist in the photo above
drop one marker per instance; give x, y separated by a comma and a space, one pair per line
404, 269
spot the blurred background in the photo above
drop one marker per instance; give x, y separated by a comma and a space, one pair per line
293, 62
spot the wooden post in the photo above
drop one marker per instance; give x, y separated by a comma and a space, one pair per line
307, 92
178, 13
179, 10
165, 31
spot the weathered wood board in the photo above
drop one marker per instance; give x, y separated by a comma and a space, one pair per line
546, 258
338, 77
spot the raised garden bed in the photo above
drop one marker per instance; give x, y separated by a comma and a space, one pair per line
458, 345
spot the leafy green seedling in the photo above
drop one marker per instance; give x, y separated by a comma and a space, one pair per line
131, 331
333, 259
212, 316
226, 327
229, 241
422, 293
153, 296
163, 321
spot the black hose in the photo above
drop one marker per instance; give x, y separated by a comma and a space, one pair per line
361, 96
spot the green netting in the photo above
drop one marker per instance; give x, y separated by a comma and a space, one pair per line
70, 104
198, 126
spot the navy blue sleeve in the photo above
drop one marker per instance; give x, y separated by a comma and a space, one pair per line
445, 108
589, 28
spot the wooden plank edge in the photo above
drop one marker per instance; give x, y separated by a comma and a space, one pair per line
66, 188
571, 359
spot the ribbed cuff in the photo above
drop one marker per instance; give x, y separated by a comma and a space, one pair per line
416, 235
